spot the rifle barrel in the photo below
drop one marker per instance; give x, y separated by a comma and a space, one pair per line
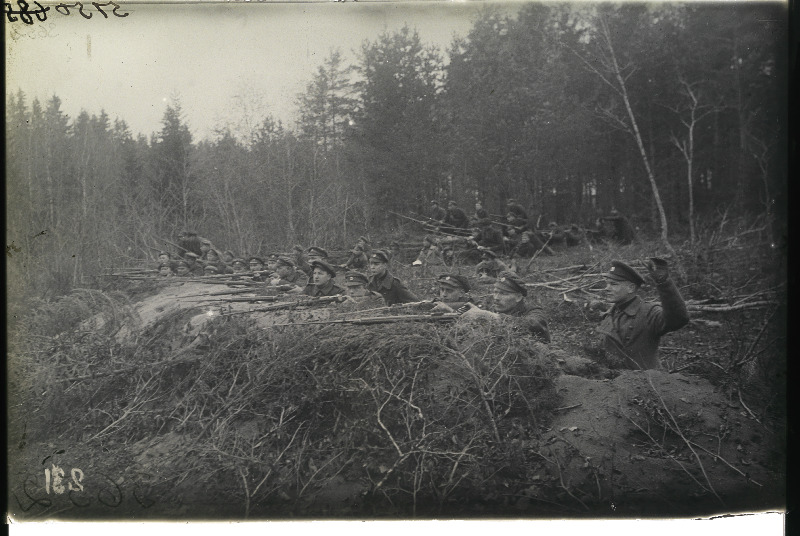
436, 317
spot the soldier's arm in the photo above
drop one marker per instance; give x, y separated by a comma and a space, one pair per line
537, 325
403, 294
672, 315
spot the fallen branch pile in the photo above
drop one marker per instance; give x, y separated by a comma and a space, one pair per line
420, 412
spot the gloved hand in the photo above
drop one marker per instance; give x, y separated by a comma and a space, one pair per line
473, 312
441, 307
658, 269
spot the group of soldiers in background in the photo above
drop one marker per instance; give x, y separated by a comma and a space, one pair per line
483, 237
631, 328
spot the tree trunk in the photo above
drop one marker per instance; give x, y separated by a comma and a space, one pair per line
640, 144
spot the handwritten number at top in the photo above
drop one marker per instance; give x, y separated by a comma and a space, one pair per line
63, 8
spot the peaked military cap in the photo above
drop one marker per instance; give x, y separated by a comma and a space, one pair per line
319, 251
355, 278
190, 255
379, 255
257, 259
164, 253
166, 264
205, 241
286, 261
179, 263
211, 268
238, 261
620, 271
509, 282
454, 281
324, 266
511, 200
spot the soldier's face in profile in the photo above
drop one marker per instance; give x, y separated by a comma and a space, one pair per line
163, 257
320, 276
451, 294
164, 270
617, 291
377, 267
182, 269
256, 266
505, 301
282, 270
205, 247
212, 255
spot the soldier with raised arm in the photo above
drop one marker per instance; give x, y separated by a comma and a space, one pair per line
632, 328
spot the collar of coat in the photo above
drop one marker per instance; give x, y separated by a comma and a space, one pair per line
322, 289
386, 281
520, 309
630, 307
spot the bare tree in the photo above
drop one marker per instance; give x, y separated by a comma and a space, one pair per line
614, 75
690, 113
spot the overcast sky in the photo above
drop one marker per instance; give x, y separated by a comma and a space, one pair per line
206, 55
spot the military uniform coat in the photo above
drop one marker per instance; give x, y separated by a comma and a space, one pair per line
438, 214
457, 218
492, 267
392, 289
517, 210
328, 289
296, 278
491, 238
531, 320
357, 261
631, 331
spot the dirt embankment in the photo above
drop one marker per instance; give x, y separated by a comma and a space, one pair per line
667, 440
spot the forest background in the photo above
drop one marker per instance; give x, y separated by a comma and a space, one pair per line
673, 114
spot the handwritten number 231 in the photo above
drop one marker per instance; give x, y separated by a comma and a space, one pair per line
57, 476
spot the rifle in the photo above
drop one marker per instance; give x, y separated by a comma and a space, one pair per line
243, 299
543, 248
365, 321
174, 244
453, 230
436, 228
133, 272
288, 305
230, 292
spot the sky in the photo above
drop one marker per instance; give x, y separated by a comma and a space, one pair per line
227, 64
